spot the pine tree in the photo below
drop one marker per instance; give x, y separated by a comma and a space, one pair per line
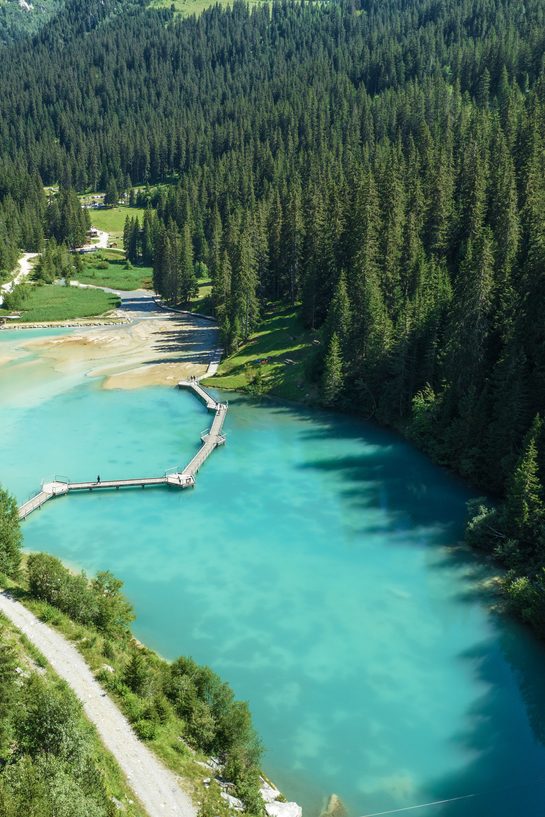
136, 672
339, 317
111, 196
244, 308
332, 378
187, 280
524, 508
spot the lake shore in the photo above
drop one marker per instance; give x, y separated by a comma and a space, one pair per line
142, 345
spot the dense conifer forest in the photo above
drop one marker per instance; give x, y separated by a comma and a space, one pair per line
379, 163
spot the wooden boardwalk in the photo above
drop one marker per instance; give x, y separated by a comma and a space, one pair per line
212, 438
184, 478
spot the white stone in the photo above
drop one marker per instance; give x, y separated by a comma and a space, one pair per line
234, 802
269, 793
277, 809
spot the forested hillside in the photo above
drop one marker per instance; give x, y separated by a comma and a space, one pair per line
19, 18
379, 163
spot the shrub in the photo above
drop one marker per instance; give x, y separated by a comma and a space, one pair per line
145, 729
99, 602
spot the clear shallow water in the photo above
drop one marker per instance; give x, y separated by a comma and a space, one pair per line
315, 567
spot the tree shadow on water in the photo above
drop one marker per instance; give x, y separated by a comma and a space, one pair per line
503, 732
497, 768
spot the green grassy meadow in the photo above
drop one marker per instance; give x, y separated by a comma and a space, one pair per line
203, 302
115, 275
112, 220
59, 303
275, 360
188, 7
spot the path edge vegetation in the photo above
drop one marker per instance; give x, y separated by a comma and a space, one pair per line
38, 755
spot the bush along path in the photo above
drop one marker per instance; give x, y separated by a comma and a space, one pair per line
157, 788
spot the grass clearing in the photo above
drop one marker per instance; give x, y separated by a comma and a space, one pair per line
112, 219
203, 302
276, 359
188, 7
53, 302
114, 275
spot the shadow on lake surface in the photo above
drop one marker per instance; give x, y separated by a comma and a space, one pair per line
500, 735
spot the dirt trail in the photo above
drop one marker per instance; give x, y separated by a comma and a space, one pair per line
24, 269
156, 787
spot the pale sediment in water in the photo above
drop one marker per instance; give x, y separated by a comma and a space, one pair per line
153, 351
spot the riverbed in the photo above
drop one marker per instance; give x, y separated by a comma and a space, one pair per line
317, 566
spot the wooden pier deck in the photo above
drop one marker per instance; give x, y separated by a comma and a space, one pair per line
183, 478
212, 438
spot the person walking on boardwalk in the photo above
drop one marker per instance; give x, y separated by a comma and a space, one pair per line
98, 478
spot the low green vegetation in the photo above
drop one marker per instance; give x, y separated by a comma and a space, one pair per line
184, 711
188, 7
181, 709
51, 759
202, 302
112, 220
109, 269
278, 359
53, 302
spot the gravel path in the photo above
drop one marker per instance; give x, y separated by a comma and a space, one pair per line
24, 269
156, 787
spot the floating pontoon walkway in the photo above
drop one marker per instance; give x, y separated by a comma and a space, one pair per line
178, 479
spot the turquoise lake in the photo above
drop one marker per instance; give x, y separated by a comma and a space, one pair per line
317, 567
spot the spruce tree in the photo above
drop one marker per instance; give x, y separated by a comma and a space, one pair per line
524, 508
332, 378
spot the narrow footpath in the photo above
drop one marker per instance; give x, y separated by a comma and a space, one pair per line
156, 787
24, 267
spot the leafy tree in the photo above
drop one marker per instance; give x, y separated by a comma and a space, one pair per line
50, 723
10, 534
115, 612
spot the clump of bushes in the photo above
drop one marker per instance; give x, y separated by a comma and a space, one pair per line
98, 602
49, 763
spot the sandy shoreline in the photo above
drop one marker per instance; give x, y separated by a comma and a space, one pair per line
148, 347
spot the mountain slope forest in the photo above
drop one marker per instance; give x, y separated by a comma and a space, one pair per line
18, 17
378, 163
